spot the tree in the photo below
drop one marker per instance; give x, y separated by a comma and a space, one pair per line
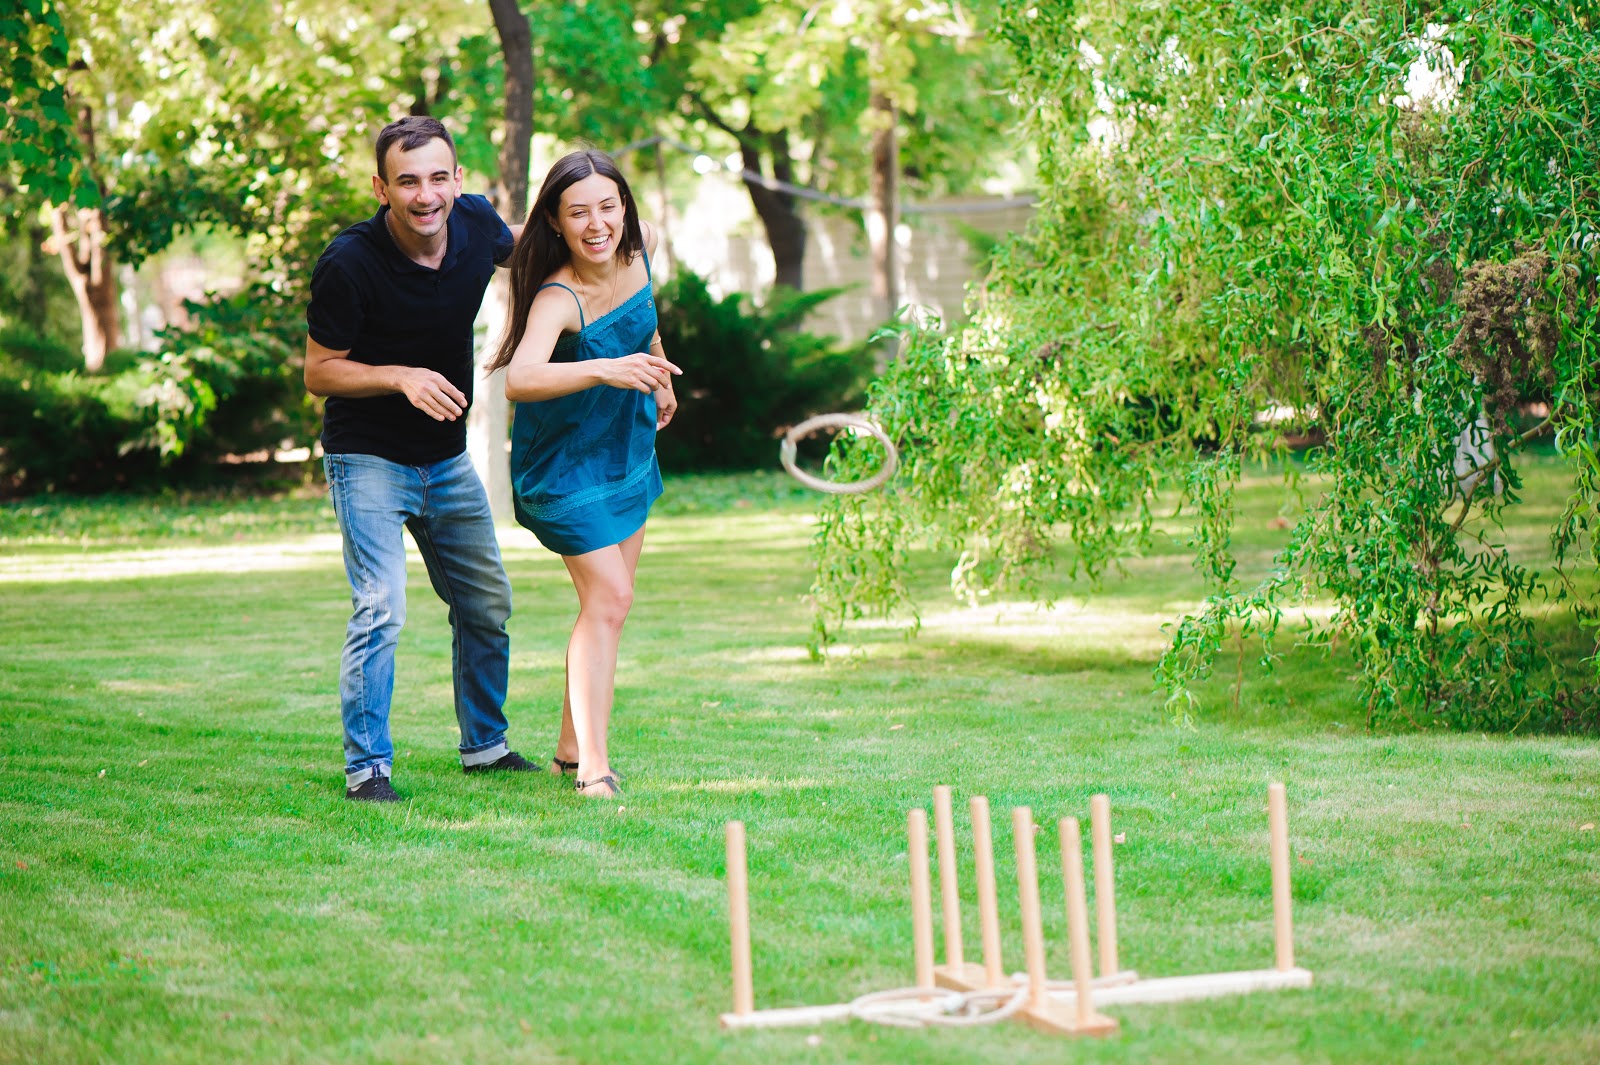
39, 148
43, 153
488, 423
1350, 225
811, 97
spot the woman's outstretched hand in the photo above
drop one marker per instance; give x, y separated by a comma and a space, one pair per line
640, 371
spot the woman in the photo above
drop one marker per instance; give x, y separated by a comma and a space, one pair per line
592, 387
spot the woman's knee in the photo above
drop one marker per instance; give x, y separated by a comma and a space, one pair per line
607, 602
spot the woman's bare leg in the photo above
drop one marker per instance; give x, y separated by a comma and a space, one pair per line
567, 742
604, 581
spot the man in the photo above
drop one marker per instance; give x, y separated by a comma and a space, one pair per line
393, 299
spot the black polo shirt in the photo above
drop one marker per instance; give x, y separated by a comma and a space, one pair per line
368, 297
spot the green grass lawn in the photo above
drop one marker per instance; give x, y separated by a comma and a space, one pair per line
181, 881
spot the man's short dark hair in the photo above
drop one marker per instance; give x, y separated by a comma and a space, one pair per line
411, 133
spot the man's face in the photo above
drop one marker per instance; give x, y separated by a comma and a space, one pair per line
421, 188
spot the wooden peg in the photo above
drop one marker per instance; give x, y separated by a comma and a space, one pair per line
921, 900
1105, 899
739, 920
1028, 899
955, 973
1282, 924
1085, 1020
988, 904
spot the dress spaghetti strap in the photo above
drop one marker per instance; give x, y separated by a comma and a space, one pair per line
556, 284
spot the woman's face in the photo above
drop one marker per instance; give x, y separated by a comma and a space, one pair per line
589, 218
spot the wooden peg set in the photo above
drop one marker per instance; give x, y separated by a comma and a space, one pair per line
1063, 1007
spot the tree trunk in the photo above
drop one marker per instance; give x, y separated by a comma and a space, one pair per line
80, 238
489, 420
883, 217
779, 211
883, 214
88, 263
516, 44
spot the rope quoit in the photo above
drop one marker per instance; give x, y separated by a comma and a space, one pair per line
921, 1007
786, 453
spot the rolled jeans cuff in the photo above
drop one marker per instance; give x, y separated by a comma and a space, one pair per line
360, 776
488, 754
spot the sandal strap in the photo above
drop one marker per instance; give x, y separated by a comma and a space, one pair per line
565, 767
596, 782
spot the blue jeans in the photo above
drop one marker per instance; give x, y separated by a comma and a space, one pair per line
445, 507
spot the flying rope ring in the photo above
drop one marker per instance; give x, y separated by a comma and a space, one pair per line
786, 453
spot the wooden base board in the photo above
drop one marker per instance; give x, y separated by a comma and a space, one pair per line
1061, 1019
967, 977
1118, 989
1190, 988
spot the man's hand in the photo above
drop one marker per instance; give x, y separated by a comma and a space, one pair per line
432, 393
331, 372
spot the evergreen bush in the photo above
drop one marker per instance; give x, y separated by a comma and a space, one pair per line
748, 373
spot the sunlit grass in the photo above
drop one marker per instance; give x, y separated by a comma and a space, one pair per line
181, 880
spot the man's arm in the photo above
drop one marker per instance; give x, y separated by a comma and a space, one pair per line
332, 373
516, 235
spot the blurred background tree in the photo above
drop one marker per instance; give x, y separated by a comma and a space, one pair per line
240, 134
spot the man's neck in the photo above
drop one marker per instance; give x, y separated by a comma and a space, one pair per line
425, 251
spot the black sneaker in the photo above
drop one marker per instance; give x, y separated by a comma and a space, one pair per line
375, 788
511, 761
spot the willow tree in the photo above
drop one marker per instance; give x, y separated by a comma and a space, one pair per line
1381, 227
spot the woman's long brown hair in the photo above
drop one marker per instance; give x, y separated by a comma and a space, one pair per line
541, 251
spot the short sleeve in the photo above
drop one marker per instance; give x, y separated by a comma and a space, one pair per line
333, 317
486, 220
503, 241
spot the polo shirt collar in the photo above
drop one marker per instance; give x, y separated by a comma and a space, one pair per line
455, 226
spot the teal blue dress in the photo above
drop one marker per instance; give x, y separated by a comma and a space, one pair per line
583, 466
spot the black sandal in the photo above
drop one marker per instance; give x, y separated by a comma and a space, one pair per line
608, 779
570, 769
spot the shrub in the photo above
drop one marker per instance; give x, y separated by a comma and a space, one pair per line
30, 348
228, 385
67, 432
748, 374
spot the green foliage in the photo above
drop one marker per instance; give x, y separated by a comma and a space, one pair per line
227, 385
793, 81
39, 147
66, 431
747, 374
34, 292
1260, 227
29, 348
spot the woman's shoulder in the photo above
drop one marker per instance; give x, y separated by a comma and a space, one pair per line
557, 296
561, 276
